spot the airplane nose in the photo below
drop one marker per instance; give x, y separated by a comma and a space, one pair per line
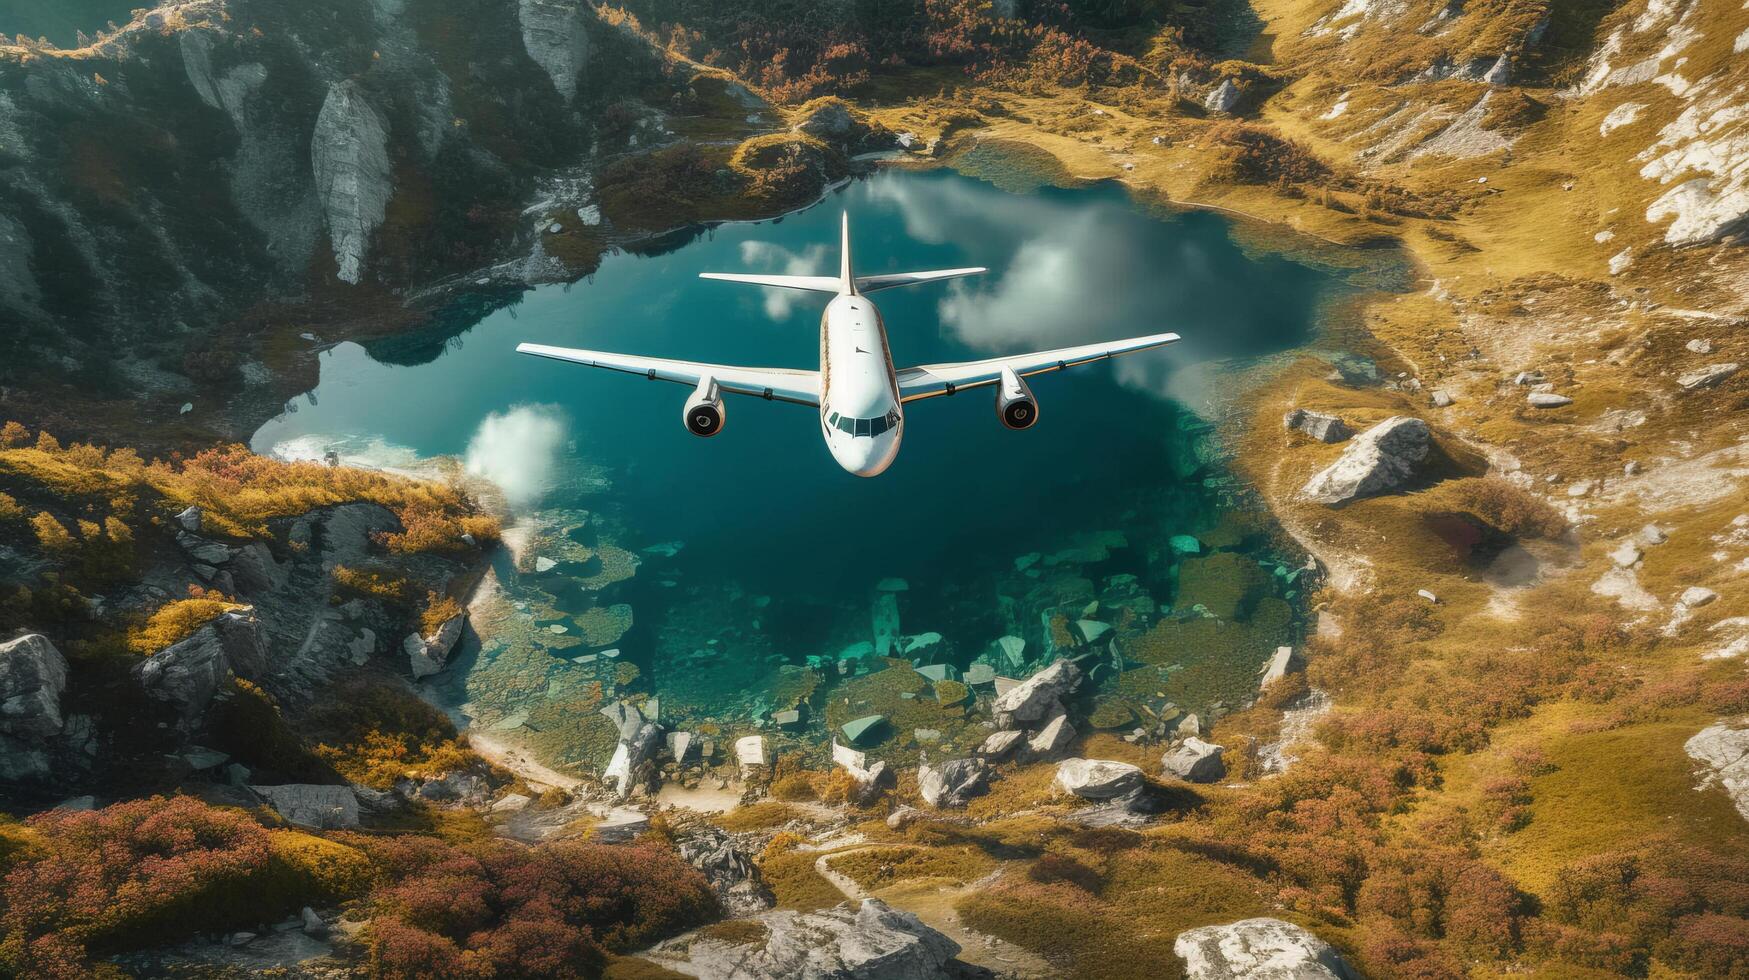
866, 456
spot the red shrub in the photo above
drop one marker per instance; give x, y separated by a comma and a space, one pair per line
507, 910
151, 869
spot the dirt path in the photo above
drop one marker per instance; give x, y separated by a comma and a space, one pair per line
934, 903
514, 759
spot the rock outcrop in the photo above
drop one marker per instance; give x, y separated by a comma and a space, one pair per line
1381, 459
1034, 698
872, 941
1259, 949
1723, 749
314, 806
188, 673
953, 783
731, 871
33, 676
349, 155
555, 34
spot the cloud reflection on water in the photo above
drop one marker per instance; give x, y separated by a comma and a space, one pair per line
1074, 275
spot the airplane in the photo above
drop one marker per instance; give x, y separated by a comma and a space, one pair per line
860, 397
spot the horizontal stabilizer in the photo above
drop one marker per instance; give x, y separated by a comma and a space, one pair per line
817, 284
868, 284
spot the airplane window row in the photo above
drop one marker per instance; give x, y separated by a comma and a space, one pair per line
864, 427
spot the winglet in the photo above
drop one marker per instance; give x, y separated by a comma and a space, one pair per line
846, 281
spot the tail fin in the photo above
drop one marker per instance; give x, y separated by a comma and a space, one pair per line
846, 281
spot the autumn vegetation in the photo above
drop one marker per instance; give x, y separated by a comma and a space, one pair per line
496, 909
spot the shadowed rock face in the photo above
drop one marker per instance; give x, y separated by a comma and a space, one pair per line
349, 155
556, 37
190, 165
187, 674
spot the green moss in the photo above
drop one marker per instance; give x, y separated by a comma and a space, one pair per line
736, 932
757, 816
794, 882
950, 692
877, 867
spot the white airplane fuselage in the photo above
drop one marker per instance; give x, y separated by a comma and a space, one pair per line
861, 415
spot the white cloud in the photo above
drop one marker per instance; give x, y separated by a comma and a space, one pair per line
766, 257
518, 450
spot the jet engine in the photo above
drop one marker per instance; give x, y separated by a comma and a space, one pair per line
1015, 404
704, 410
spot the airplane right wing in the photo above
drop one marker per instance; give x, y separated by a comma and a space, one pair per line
774, 384
931, 380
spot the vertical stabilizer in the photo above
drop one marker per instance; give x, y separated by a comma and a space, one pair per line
846, 280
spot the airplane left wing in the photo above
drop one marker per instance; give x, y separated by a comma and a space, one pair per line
931, 380
774, 384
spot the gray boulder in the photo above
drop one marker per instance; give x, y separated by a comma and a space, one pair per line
189, 517
1318, 425
202, 550
426, 655
1707, 377
1379, 460
1053, 738
1259, 949
1547, 399
1098, 779
314, 806
953, 783
1194, 761
1034, 698
33, 675
1224, 98
1000, 745
1282, 663
873, 941
188, 673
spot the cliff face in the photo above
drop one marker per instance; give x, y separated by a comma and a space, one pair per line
211, 154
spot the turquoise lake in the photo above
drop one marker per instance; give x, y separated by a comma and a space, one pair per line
757, 558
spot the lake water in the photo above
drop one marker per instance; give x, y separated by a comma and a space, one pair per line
747, 573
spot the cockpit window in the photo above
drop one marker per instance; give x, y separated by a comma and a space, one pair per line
864, 428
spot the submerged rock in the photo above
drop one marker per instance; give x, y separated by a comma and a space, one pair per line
1380, 460
839, 943
1259, 949
865, 729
